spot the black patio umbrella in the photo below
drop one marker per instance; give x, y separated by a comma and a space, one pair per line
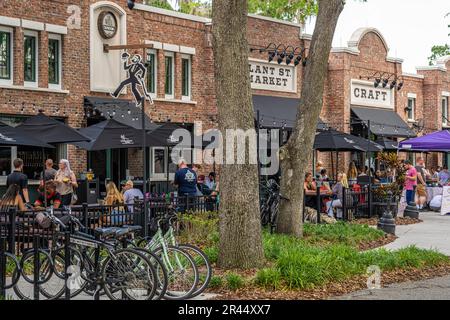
388, 144
50, 130
110, 134
332, 140
336, 141
10, 136
163, 136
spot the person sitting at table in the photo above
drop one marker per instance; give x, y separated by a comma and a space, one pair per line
130, 194
323, 175
444, 176
338, 194
12, 199
115, 200
310, 188
53, 197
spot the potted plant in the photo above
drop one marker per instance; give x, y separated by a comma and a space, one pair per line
389, 193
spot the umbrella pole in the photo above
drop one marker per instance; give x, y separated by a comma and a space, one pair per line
167, 170
332, 165
43, 179
144, 165
337, 165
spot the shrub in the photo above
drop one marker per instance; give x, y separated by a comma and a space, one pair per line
234, 281
216, 282
269, 278
199, 228
212, 253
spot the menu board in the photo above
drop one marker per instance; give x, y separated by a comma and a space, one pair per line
445, 208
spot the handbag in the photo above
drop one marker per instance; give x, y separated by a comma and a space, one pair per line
43, 221
74, 198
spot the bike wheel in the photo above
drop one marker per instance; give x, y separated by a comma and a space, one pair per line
24, 287
161, 272
181, 270
128, 274
203, 266
55, 288
12, 263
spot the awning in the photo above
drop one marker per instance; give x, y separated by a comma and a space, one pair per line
276, 112
123, 111
384, 123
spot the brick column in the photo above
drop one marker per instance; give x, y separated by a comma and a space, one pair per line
177, 76
43, 59
18, 57
161, 78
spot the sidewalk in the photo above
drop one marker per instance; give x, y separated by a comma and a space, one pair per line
434, 289
432, 233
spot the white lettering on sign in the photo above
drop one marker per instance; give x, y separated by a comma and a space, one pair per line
272, 76
365, 94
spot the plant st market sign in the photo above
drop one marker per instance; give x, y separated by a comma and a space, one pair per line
364, 93
272, 76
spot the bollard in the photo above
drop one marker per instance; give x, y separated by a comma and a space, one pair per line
37, 267
2, 267
411, 211
387, 221
67, 264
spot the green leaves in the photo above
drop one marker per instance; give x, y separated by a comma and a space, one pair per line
291, 10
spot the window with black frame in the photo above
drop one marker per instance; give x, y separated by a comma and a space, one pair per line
5, 54
169, 83
30, 57
151, 72
186, 76
54, 61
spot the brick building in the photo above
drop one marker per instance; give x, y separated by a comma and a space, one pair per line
52, 58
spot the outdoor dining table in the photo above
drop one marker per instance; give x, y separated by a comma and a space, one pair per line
432, 192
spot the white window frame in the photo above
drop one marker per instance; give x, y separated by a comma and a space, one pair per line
445, 116
59, 39
413, 111
33, 84
169, 96
155, 79
189, 96
11, 62
158, 176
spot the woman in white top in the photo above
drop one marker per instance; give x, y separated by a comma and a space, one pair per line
65, 182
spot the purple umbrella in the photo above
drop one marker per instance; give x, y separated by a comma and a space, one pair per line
437, 141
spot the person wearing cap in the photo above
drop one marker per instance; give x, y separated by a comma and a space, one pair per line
410, 182
130, 194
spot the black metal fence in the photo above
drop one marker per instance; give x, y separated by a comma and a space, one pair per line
355, 203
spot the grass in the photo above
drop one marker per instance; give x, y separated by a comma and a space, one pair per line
326, 254
234, 281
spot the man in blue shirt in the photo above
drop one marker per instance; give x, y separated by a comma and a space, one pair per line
185, 180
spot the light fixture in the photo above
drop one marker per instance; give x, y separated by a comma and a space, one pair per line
130, 4
393, 84
377, 82
385, 82
400, 86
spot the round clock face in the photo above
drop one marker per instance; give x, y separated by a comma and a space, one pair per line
107, 24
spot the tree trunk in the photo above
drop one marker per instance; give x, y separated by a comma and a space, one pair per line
239, 221
296, 154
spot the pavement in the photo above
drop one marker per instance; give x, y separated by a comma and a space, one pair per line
432, 233
434, 289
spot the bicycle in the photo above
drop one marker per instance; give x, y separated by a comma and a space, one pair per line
180, 267
126, 272
270, 206
9, 261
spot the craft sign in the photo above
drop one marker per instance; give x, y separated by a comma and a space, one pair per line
365, 94
273, 77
